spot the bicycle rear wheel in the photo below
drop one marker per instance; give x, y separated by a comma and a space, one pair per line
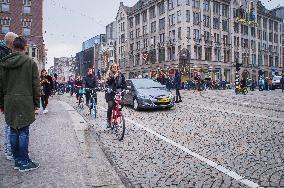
119, 127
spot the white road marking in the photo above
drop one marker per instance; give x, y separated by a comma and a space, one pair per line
213, 164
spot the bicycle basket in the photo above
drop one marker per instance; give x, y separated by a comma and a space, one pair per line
81, 91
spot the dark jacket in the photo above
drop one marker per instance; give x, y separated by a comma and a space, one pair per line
115, 84
46, 87
90, 82
19, 89
282, 80
177, 81
4, 50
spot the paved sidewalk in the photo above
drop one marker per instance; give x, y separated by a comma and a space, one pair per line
68, 157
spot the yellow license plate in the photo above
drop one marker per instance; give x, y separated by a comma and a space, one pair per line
164, 100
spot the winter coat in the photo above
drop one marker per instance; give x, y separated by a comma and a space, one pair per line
115, 84
177, 81
19, 89
90, 82
45, 86
4, 50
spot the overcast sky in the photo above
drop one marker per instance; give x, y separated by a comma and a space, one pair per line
69, 22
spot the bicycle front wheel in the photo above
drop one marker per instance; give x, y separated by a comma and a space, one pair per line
119, 127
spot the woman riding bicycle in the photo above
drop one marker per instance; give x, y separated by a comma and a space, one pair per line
115, 81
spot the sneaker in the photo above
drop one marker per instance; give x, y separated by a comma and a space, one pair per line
45, 111
29, 167
17, 165
9, 157
108, 125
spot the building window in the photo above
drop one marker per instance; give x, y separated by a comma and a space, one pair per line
216, 23
137, 19
196, 18
131, 35
179, 33
162, 38
196, 3
170, 4
216, 7
27, 24
144, 16
206, 21
172, 20
145, 30
131, 22
5, 23
196, 34
138, 33
153, 27
27, 6
162, 23
275, 38
206, 5
161, 7
187, 15
179, 16
236, 27
188, 33
225, 10
225, 25
5, 6
162, 55
152, 12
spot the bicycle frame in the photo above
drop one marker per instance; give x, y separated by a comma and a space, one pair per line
115, 111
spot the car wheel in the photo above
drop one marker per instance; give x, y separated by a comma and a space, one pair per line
135, 104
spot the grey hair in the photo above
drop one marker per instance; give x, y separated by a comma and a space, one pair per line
10, 37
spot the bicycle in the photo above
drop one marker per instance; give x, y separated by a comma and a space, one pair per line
81, 98
242, 90
117, 118
93, 102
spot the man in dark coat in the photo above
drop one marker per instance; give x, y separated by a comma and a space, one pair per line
90, 83
177, 83
6, 49
19, 99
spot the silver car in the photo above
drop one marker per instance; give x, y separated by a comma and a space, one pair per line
147, 94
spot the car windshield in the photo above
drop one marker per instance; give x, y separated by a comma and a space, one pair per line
146, 84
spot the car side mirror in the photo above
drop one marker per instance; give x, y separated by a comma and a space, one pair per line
128, 87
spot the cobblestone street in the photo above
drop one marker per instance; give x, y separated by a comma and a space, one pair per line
67, 156
212, 139
215, 139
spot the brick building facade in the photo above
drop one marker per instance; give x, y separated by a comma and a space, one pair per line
25, 18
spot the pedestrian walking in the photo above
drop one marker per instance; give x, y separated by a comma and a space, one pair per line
19, 99
282, 83
6, 47
45, 90
177, 84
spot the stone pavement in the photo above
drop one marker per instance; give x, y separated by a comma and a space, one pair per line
215, 139
68, 157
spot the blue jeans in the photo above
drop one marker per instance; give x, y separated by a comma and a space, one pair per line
20, 145
7, 144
